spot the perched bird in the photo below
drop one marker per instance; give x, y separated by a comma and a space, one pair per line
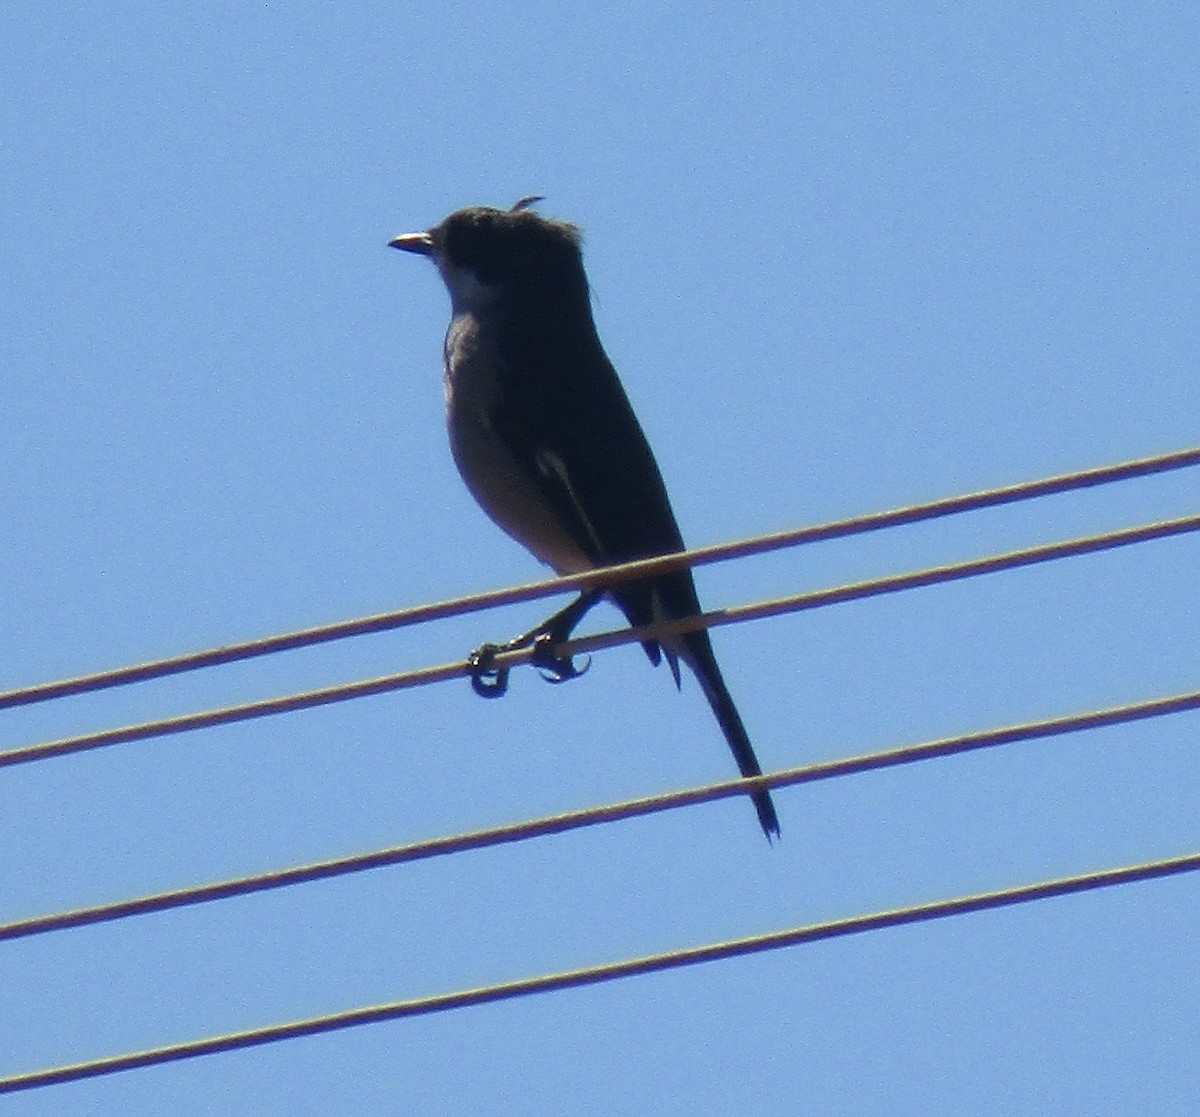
546, 440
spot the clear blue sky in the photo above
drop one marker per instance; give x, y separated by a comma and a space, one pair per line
846, 256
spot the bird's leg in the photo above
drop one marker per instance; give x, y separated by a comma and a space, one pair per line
490, 681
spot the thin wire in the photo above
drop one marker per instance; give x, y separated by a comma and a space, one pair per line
592, 816
612, 971
734, 615
383, 622
878, 587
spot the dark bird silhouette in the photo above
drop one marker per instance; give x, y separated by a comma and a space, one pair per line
546, 440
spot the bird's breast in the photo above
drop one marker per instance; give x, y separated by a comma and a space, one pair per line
502, 476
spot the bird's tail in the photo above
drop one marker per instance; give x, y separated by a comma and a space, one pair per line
698, 654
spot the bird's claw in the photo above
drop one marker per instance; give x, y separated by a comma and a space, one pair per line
491, 681
554, 668
487, 680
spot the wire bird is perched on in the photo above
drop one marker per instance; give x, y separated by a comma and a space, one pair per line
546, 440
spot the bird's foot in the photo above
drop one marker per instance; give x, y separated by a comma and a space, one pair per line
490, 681
555, 668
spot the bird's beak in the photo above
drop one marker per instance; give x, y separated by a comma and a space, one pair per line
420, 243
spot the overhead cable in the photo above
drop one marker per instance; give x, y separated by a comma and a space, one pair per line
733, 615
613, 971
383, 622
592, 816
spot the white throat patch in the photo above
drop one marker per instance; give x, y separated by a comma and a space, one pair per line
467, 294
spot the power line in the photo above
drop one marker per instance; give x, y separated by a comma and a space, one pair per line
878, 587
592, 816
613, 971
736, 614
193, 661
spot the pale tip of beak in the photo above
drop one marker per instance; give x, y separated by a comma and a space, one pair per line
420, 243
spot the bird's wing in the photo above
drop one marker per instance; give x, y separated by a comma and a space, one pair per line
575, 433
571, 429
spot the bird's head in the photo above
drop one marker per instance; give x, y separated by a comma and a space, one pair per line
490, 255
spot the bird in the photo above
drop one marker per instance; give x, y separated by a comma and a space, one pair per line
546, 440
